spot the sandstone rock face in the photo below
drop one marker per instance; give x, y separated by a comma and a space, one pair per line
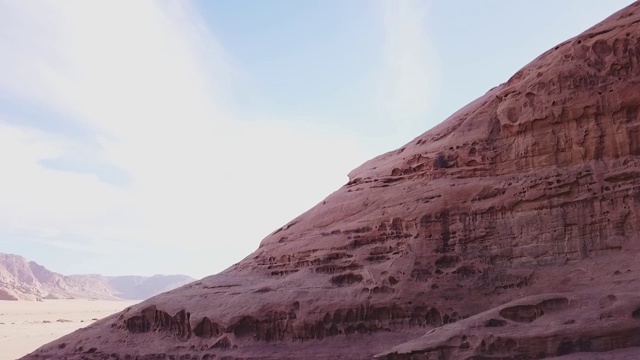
26, 280
509, 231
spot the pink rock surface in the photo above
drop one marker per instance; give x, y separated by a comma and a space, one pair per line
509, 231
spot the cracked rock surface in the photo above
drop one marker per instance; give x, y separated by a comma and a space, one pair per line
509, 231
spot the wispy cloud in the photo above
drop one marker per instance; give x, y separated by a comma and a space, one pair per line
150, 85
409, 87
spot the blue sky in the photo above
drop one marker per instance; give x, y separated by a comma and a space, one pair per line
171, 137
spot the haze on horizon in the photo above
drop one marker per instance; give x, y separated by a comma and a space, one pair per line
171, 137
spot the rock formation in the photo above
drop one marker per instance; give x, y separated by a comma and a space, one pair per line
26, 280
509, 231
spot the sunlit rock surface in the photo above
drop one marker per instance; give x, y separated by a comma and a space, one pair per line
509, 231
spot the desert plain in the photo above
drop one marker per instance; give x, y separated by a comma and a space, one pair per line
27, 325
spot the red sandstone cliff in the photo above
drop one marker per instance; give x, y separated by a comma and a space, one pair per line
509, 231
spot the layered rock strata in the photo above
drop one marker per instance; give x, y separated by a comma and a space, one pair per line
509, 231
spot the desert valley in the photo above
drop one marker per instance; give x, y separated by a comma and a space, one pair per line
38, 305
26, 325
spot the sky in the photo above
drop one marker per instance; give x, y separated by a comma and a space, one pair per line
163, 137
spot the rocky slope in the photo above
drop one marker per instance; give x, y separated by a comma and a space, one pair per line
509, 231
26, 280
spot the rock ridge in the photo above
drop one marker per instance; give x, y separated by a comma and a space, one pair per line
21, 279
509, 231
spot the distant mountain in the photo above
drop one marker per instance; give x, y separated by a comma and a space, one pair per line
21, 279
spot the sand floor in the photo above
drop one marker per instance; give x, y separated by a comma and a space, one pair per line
27, 325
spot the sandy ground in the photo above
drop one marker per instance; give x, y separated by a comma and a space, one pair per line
27, 325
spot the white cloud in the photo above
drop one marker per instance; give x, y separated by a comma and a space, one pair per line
151, 83
410, 83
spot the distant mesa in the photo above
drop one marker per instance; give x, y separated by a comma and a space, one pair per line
26, 280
